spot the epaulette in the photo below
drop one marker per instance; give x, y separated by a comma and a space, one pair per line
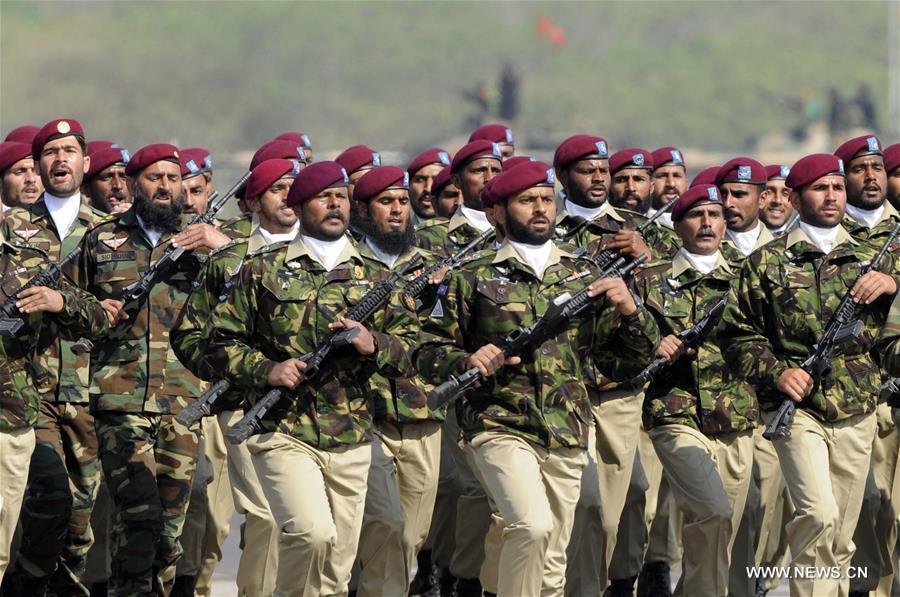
233, 222
269, 248
228, 245
96, 212
105, 219
431, 223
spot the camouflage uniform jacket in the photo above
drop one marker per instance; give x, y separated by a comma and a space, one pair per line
19, 371
139, 373
544, 399
400, 399
446, 239
786, 294
594, 234
735, 256
700, 391
63, 376
280, 308
431, 234
215, 283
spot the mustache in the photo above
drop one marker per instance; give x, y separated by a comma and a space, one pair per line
117, 195
706, 233
334, 213
162, 194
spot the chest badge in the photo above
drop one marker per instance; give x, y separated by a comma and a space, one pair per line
115, 242
27, 234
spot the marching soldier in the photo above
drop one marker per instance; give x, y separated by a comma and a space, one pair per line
20, 184
787, 292
741, 182
357, 160
892, 167
105, 183
669, 180
196, 176
300, 139
699, 416
775, 209
533, 419
64, 474
313, 455
496, 133
422, 171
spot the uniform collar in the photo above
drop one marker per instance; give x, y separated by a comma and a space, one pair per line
765, 236
405, 257
506, 252
297, 248
458, 220
888, 212
608, 211
797, 235
681, 264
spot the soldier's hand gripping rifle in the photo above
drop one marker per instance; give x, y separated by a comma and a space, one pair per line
605, 257
818, 363
11, 322
692, 338
370, 304
562, 309
203, 405
134, 295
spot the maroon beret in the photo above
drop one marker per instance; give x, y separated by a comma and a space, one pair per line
98, 144
668, 156
892, 158
272, 150
301, 139
705, 176
265, 175
812, 167
580, 147
776, 171
441, 180
314, 179
630, 158
104, 158
358, 157
742, 169
497, 133
61, 127
378, 180
428, 157
517, 161
151, 154
864, 145
23, 134
11, 152
473, 151
194, 162
702, 193
509, 182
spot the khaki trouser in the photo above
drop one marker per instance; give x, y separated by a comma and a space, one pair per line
15, 454
709, 478
443, 520
195, 519
825, 467
258, 566
535, 491
219, 505
317, 498
875, 537
664, 540
617, 420
402, 486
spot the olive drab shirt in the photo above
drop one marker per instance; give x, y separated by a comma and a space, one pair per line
139, 373
19, 369
699, 391
64, 376
544, 399
735, 256
786, 294
593, 234
280, 308
447, 239
401, 399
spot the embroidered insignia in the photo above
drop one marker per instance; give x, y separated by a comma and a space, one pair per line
27, 234
63, 127
408, 301
115, 242
743, 173
438, 311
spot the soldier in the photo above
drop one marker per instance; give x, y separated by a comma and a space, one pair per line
699, 416
892, 167
23, 134
868, 216
705, 176
313, 455
196, 177
775, 209
536, 428
73, 313
472, 166
137, 386
787, 292
271, 221
356, 161
403, 477
64, 475
669, 180
447, 196
20, 185
301, 139
500, 134
422, 171
741, 182
106, 183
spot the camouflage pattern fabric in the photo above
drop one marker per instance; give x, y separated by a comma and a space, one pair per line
139, 373
279, 309
431, 234
734, 256
786, 294
701, 391
544, 399
446, 239
148, 462
878, 233
663, 242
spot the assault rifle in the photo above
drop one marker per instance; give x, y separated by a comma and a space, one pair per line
839, 329
373, 300
561, 310
607, 256
692, 337
203, 405
10, 320
133, 295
